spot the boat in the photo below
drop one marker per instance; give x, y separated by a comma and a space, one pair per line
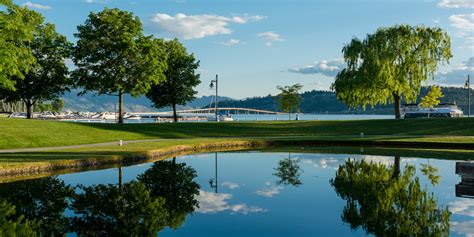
132, 117
444, 110
221, 118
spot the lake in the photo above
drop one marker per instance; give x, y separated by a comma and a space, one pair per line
256, 193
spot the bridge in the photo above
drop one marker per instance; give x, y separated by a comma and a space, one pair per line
206, 111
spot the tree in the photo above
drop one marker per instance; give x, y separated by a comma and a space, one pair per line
113, 56
105, 210
47, 78
17, 27
390, 64
431, 99
289, 99
175, 183
57, 105
181, 78
387, 205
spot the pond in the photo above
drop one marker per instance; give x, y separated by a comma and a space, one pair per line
255, 193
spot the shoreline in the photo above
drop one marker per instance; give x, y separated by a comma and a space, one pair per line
126, 157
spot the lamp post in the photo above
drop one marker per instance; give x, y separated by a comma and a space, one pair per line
215, 101
213, 182
468, 86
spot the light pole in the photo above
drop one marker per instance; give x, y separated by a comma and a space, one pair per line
468, 86
215, 101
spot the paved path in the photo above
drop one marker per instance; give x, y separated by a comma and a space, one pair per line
76, 146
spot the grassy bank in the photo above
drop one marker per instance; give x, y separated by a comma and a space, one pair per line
20, 133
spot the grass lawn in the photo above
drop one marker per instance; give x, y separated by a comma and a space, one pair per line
195, 137
21, 133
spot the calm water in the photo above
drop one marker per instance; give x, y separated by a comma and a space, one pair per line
279, 117
254, 194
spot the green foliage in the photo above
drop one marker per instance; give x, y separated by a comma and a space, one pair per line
47, 78
181, 78
175, 183
43, 107
431, 173
432, 98
288, 172
387, 205
42, 201
390, 64
57, 105
104, 210
114, 57
17, 28
14, 226
289, 99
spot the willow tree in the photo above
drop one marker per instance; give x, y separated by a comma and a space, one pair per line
17, 28
113, 57
391, 65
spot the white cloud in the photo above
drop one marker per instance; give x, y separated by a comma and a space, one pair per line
327, 68
270, 37
269, 192
230, 185
464, 23
456, 4
36, 6
197, 26
465, 228
458, 75
216, 202
463, 207
231, 42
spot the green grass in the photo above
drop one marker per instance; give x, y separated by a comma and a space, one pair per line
20, 133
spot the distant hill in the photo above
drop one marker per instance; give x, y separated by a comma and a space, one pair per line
93, 103
325, 102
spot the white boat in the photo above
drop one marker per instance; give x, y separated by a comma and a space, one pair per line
132, 117
445, 110
222, 118
17, 115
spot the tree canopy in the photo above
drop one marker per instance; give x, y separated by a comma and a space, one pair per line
47, 78
289, 99
181, 78
390, 64
113, 56
17, 27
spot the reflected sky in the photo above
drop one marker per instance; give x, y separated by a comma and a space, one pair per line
250, 200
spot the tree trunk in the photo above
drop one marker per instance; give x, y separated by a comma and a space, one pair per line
175, 115
396, 166
120, 118
396, 98
120, 177
289, 115
29, 109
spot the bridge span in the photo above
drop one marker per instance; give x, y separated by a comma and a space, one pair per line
226, 110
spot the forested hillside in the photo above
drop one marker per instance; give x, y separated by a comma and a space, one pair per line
325, 102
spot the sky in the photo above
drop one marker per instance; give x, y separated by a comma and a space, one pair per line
256, 45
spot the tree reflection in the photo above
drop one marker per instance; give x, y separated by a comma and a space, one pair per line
431, 173
175, 183
288, 172
13, 225
105, 210
40, 200
387, 202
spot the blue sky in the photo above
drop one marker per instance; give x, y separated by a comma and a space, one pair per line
256, 45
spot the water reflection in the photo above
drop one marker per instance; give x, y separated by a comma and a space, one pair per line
286, 194
466, 187
289, 172
160, 197
42, 200
386, 201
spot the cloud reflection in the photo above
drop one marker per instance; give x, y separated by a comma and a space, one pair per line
210, 202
